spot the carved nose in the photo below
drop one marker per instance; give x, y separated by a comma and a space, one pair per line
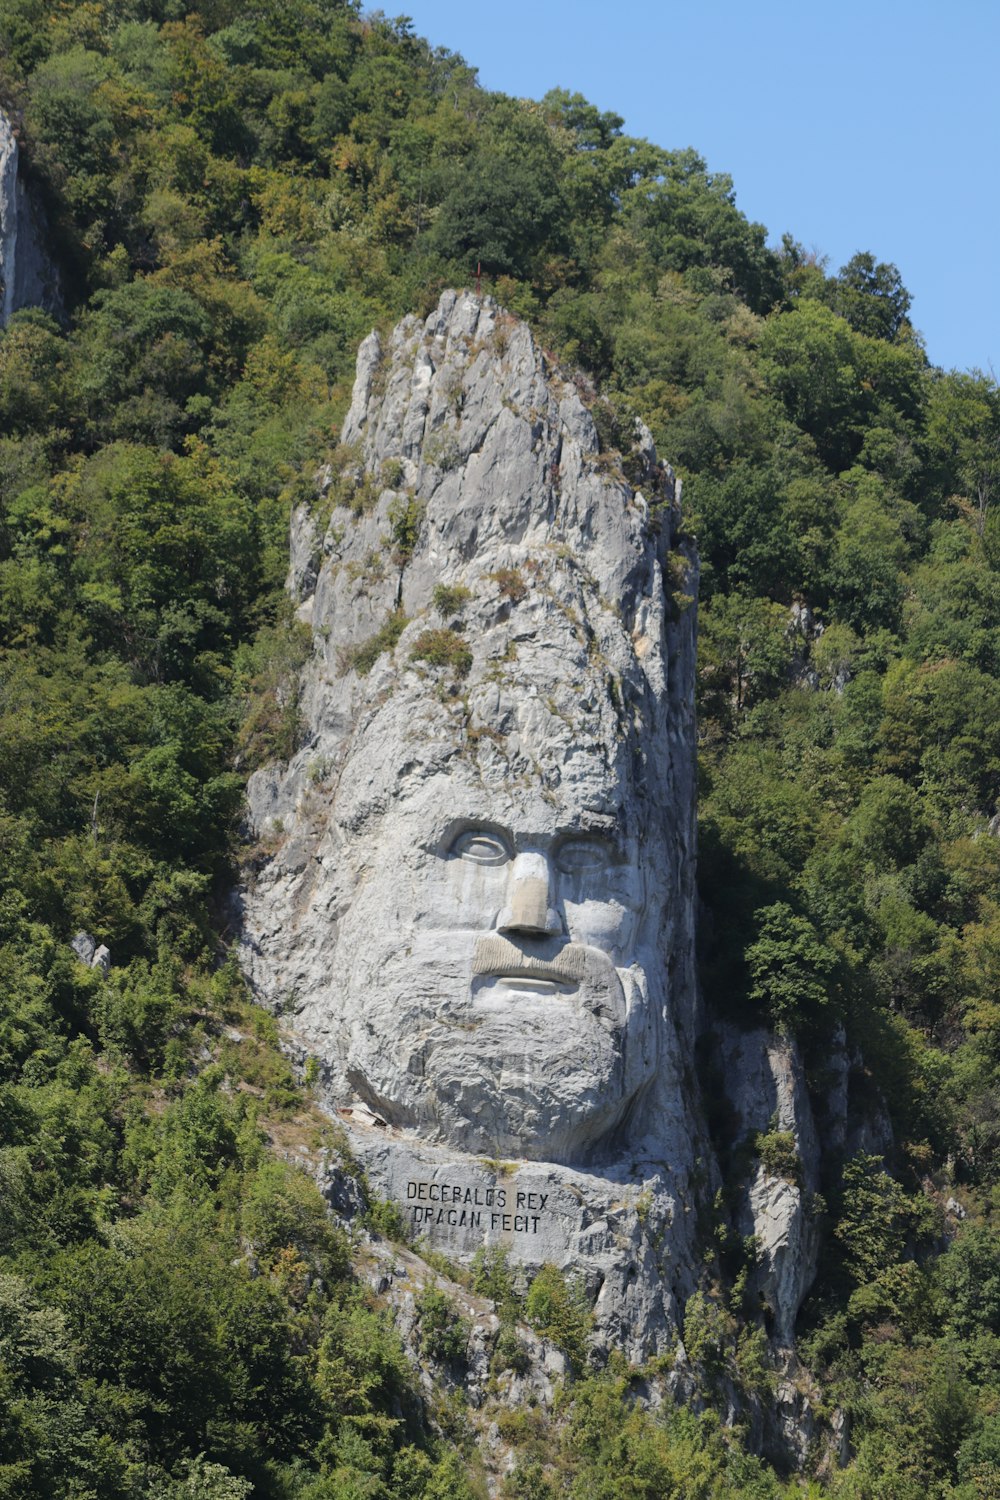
528, 893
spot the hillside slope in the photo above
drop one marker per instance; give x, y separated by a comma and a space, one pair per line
235, 196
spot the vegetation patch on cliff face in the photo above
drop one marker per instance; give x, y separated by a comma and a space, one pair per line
238, 197
443, 648
362, 657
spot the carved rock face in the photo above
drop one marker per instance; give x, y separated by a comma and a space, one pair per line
483, 865
473, 901
503, 1005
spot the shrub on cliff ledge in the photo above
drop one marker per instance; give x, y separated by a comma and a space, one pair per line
444, 1334
451, 598
365, 654
559, 1312
779, 1154
791, 968
443, 648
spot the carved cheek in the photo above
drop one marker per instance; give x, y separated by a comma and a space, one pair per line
607, 925
471, 894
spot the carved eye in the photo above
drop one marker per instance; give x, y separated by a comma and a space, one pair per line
579, 855
482, 847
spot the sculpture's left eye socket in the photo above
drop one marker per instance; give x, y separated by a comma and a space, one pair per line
577, 856
481, 847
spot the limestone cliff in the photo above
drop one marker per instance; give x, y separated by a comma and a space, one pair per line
27, 275
473, 899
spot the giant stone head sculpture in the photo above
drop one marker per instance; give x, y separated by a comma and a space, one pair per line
474, 899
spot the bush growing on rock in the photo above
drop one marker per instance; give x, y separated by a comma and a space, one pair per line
444, 1333
443, 648
560, 1312
449, 598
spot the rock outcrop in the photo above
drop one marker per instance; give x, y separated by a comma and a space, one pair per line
473, 900
766, 1086
87, 949
476, 905
28, 277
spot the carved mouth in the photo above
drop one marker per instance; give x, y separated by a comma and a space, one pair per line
528, 984
496, 957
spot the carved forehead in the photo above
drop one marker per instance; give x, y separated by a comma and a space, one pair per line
426, 807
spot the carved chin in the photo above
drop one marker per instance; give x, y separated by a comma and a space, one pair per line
502, 1107
528, 1076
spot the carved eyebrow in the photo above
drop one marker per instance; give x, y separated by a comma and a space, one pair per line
591, 823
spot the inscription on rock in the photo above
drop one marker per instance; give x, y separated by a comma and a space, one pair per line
507, 1210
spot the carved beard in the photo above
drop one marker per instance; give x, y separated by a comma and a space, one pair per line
495, 1067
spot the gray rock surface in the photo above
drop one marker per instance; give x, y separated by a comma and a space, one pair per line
605, 1225
474, 900
84, 945
27, 275
89, 952
472, 897
765, 1083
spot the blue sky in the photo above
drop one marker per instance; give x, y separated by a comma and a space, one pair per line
856, 126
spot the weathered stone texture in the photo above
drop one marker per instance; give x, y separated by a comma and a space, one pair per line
766, 1086
27, 275
474, 898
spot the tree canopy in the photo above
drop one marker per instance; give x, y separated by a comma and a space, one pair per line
235, 194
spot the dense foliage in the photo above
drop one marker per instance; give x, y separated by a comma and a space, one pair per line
236, 193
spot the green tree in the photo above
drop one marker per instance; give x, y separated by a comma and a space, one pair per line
747, 653
876, 1218
503, 204
559, 1312
143, 355
791, 969
32, 382
871, 296
964, 434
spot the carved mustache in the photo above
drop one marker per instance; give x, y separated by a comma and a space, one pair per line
498, 957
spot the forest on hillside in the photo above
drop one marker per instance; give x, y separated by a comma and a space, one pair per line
236, 193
